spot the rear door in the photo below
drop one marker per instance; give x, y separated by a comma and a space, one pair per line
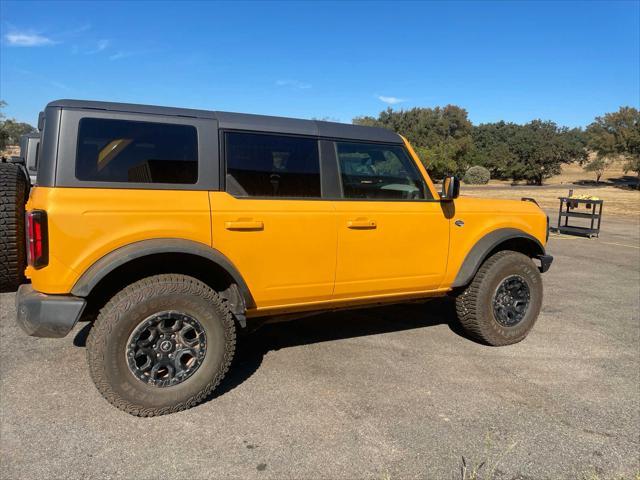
393, 236
271, 220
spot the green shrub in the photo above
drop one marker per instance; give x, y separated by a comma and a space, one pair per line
477, 175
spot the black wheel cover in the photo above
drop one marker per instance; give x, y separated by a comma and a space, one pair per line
511, 301
166, 348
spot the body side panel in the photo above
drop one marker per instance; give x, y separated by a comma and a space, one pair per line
285, 249
480, 217
85, 224
483, 248
405, 251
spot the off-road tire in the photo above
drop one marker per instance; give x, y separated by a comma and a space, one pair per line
108, 339
13, 196
474, 305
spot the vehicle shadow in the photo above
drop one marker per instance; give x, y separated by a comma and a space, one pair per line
324, 327
330, 326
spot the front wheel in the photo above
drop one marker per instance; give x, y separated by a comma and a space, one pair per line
502, 303
161, 345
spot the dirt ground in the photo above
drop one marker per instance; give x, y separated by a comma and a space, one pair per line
617, 201
574, 173
620, 199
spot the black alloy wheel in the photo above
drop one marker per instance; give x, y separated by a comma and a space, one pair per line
166, 348
511, 301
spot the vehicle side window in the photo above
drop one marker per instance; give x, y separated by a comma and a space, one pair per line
272, 166
34, 166
379, 172
136, 152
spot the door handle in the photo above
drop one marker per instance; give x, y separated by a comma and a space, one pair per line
361, 224
244, 225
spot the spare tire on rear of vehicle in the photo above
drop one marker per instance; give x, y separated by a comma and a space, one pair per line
13, 195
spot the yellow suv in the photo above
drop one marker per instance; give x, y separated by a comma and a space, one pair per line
177, 226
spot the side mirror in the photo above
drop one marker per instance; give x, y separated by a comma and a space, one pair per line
450, 188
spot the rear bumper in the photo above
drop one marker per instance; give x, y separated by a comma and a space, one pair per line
545, 262
42, 315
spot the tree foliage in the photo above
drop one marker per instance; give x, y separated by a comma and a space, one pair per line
440, 135
617, 133
3, 134
494, 148
477, 175
532, 152
11, 130
598, 165
14, 130
447, 143
541, 148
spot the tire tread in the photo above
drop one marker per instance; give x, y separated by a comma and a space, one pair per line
13, 195
467, 301
110, 315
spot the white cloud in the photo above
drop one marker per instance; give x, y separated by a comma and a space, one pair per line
28, 40
101, 45
390, 100
119, 55
75, 31
293, 83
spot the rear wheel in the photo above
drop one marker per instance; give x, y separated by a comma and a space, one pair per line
161, 345
13, 196
503, 301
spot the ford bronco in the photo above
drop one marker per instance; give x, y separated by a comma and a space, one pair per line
171, 228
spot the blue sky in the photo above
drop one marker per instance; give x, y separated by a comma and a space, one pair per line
516, 61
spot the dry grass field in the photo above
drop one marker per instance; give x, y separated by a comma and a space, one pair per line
619, 198
574, 173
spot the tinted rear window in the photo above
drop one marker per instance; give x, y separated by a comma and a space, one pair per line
272, 166
136, 152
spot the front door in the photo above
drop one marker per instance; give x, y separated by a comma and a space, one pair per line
272, 222
393, 237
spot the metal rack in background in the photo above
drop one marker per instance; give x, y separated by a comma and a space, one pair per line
568, 206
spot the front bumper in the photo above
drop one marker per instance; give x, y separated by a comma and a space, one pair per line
42, 315
545, 262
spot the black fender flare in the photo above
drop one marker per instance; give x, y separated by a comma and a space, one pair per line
483, 247
105, 265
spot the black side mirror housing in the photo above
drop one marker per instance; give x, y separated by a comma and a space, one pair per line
450, 188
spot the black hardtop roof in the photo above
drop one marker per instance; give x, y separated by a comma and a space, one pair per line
246, 121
